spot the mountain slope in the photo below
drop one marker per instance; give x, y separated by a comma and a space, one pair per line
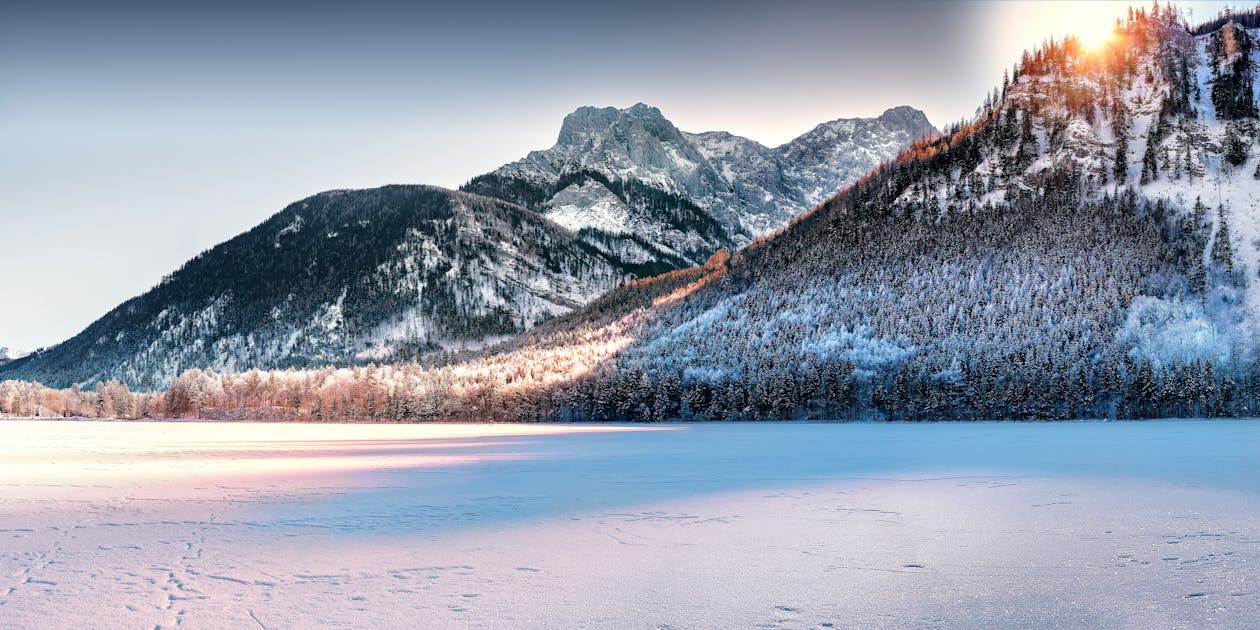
636, 186
399, 272
1085, 248
340, 277
821, 161
628, 179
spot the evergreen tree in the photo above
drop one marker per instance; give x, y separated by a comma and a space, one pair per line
1222, 249
1150, 162
1120, 166
1233, 73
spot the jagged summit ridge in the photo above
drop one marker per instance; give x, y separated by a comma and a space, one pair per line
844, 149
670, 187
912, 120
588, 121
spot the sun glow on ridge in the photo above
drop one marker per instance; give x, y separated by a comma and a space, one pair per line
1095, 36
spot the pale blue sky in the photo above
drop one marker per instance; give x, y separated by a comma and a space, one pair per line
134, 135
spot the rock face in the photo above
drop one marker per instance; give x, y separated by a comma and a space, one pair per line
841, 151
633, 185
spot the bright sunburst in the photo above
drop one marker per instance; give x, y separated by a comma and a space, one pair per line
1095, 35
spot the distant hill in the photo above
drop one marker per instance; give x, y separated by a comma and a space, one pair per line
341, 277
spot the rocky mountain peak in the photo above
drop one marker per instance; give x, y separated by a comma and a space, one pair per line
909, 119
587, 123
663, 182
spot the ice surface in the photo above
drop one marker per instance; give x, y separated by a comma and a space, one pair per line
686, 526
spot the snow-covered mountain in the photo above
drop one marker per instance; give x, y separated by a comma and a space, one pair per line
843, 150
634, 185
398, 272
1088, 246
341, 277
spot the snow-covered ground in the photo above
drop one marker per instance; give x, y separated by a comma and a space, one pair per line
1147, 525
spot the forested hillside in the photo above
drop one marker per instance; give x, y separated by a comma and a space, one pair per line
1054, 258
341, 277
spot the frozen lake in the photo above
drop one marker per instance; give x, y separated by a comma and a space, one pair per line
197, 525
